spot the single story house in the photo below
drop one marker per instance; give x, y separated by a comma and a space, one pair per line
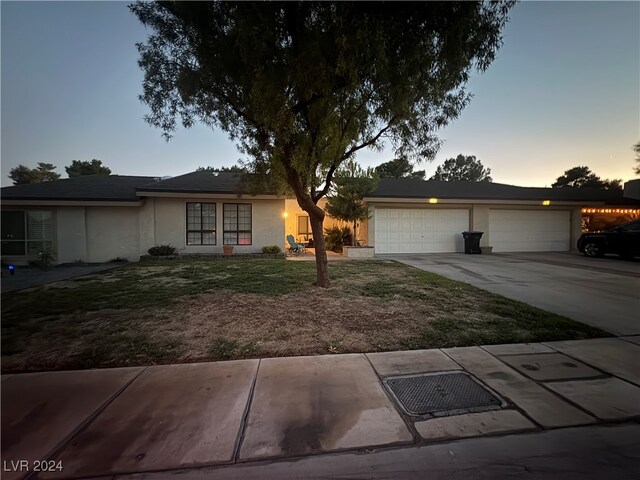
99, 218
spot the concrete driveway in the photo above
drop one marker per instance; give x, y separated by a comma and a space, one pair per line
603, 292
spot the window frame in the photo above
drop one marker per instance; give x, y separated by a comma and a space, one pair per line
48, 243
237, 231
308, 232
201, 230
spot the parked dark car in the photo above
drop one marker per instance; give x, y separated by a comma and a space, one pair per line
623, 240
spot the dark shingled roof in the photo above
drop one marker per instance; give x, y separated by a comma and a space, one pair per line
118, 188
132, 188
408, 188
197, 182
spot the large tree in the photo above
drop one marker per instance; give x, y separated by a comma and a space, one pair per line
399, 168
636, 148
79, 168
583, 177
44, 172
303, 86
346, 202
462, 167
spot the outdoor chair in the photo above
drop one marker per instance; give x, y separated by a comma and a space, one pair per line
294, 247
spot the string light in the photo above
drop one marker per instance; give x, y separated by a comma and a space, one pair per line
612, 210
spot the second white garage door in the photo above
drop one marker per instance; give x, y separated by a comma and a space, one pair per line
413, 230
529, 230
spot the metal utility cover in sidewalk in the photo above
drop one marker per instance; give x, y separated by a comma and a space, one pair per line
441, 394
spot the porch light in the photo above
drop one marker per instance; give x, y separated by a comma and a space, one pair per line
546, 202
433, 200
285, 215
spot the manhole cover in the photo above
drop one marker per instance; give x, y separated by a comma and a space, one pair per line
441, 394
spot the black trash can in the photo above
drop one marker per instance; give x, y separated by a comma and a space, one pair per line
472, 242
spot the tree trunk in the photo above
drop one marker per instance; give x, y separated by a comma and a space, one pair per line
354, 242
316, 218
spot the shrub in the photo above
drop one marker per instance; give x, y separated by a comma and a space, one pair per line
45, 260
118, 260
162, 250
336, 237
271, 249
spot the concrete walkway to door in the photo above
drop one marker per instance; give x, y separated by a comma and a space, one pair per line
603, 292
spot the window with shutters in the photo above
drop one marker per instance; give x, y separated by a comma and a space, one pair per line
26, 232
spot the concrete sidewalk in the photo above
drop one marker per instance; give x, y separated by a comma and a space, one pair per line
191, 420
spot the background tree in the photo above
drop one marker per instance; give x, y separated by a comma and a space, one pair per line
399, 168
583, 177
636, 148
79, 168
346, 203
44, 172
231, 169
463, 167
303, 86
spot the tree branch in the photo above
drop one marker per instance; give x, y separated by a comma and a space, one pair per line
327, 183
368, 143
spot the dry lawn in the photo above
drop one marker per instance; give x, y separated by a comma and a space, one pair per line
228, 309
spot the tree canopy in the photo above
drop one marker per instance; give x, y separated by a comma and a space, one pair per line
346, 202
463, 167
583, 177
231, 169
399, 168
636, 148
44, 172
304, 86
79, 168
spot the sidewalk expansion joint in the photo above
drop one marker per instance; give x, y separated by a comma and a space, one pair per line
405, 418
556, 394
586, 362
85, 424
245, 417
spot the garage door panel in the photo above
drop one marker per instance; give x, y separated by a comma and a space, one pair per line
529, 230
424, 231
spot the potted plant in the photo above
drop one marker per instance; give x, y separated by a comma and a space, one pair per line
227, 249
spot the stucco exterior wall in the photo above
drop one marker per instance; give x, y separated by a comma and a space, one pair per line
147, 226
70, 235
576, 226
112, 232
170, 224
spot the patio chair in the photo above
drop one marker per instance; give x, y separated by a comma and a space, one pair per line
294, 246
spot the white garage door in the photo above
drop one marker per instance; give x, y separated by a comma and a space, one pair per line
404, 230
529, 230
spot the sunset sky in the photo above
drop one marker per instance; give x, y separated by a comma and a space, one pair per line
563, 91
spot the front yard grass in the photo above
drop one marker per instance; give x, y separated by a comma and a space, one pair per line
163, 312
